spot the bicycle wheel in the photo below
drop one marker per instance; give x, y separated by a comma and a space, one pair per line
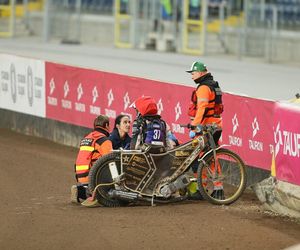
226, 172
100, 174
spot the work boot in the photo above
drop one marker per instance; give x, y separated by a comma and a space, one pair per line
218, 194
74, 194
82, 192
78, 193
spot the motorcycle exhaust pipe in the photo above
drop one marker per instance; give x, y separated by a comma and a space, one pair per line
118, 194
130, 196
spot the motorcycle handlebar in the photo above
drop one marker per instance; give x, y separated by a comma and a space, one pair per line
185, 125
200, 128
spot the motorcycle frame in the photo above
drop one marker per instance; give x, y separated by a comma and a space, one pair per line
200, 143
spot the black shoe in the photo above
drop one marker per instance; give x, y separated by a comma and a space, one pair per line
196, 196
218, 194
79, 193
82, 192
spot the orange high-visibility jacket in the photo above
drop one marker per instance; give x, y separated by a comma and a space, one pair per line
205, 115
205, 107
94, 145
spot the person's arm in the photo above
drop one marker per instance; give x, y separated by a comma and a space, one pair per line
202, 94
105, 147
101, 149
137, 134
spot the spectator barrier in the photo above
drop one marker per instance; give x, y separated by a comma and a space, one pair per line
256, 129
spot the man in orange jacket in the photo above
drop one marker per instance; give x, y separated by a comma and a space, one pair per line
206, 108
93, 146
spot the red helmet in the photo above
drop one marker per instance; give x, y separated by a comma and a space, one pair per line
146, 105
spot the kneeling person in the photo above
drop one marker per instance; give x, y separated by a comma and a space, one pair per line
93, 146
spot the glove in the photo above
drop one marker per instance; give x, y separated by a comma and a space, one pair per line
171, 136
199, 128
192, 134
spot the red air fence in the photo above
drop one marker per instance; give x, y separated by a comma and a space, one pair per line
253, 128
256, 129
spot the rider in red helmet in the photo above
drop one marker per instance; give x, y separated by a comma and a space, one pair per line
148, 127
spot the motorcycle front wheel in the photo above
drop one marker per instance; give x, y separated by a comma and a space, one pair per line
222, 178
100, 178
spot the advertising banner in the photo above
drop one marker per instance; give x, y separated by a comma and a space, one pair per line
22, 85
247, 128
75, 95
287, 142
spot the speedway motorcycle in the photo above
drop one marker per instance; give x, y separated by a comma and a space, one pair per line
156, 175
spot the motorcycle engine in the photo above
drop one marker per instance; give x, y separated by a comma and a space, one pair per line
181, 182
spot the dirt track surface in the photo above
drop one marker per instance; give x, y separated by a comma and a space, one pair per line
35, 179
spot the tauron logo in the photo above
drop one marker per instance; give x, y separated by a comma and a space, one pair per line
126, 101
177, 111
277, 138
289, 140
255, 127
79, 91
95, 94
235, 140
110, 97
52, 86
254, 144
66, 89
160, 107
235, 123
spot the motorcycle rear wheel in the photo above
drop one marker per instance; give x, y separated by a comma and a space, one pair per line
231, 177
100, 174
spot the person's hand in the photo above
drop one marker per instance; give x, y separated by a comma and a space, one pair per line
199, 128
192, 134
171, 136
